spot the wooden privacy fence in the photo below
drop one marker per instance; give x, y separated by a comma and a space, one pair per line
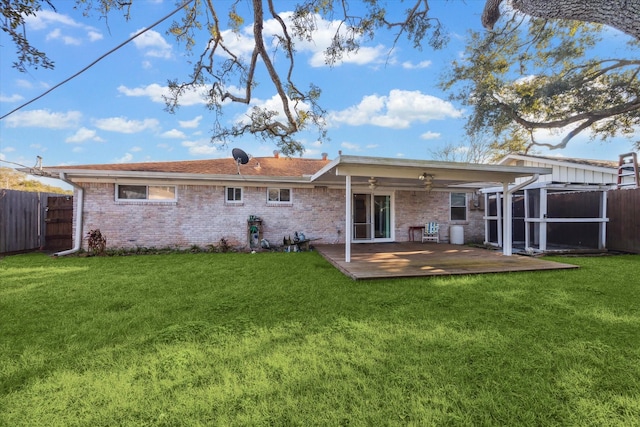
24, 219
623, 229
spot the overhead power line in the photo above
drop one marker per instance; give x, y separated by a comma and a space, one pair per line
99, 59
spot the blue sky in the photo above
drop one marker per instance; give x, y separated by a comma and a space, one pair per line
381, 102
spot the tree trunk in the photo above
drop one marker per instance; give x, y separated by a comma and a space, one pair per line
621, 14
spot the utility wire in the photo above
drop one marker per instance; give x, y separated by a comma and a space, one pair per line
35, 170
99, 59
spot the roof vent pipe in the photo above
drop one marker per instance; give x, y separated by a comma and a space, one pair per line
324, 156
276, 154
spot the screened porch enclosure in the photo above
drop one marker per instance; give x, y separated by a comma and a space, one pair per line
549, 219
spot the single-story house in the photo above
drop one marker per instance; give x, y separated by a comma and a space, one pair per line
348, 200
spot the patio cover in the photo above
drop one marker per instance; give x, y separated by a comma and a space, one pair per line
406, 174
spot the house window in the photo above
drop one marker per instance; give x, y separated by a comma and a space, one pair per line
163, 193
458, 206
279, 195
234, 195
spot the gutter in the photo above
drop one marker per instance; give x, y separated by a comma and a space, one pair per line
531, 180
77, 244
132, 176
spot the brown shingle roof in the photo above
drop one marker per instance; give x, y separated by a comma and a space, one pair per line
257, 166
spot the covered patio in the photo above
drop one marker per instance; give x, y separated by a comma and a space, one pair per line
392, 260
374, 175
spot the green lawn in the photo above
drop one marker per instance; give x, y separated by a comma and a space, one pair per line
284, 339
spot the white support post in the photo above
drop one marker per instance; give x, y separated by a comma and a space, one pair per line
507, 222
348, 220
543, 220
487, 222
507, 245
500, 212
602, 239
538, 216
527, 234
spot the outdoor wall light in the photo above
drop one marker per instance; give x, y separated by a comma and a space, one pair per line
428, 181
426, 177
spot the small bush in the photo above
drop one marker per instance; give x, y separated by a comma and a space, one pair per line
223, 246
97, 242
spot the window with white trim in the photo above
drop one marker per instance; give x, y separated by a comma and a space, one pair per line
279, 195
159, 193
233, 195
458, 206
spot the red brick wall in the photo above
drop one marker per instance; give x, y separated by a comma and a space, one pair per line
415, 208
201, 217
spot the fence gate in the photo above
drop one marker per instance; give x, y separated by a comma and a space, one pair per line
59, 220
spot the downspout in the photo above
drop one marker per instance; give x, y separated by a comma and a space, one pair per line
507, 218
77, 241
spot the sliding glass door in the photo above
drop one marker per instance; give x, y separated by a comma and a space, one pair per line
372, 217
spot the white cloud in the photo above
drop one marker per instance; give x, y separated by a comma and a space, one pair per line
360, 114
153, 44
45, 19
13, 98
321, 40
44, 119
430, 135
136, 149
202, 147
190, 124
123, 125
165, 146
83, 134
94, 36
411, 66
242, 43
25, 84
399, 110
124, 159
56, 34
365, 55
350, 146
272, 104
173, 133
156, 93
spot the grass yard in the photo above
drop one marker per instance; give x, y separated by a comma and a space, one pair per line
284, 339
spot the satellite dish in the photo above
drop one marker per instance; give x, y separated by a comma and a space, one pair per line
240, 156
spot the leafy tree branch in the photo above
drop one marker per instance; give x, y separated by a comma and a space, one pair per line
540, 75
522, 76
